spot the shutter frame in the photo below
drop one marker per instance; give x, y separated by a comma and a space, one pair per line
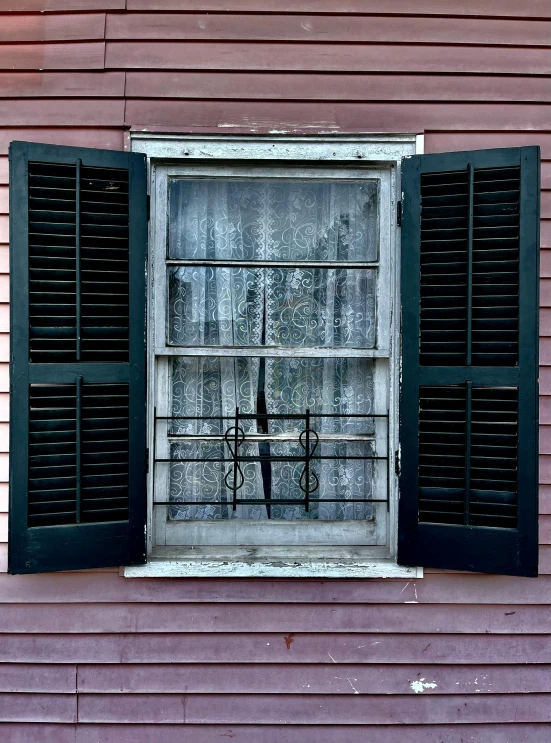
460, 546
90, 544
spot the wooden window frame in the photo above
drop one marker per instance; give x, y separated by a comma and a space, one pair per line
331, 154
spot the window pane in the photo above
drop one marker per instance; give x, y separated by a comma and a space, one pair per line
273, 306
273, 220
210, 387
335, 483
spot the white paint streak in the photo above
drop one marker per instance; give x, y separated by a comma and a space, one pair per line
329, 654
419, 686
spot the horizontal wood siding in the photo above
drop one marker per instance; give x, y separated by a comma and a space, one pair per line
95, 658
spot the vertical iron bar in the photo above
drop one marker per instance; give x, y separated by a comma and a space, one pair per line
77, 253
307, 464
470, 174
466, 504
235, 444
78, 447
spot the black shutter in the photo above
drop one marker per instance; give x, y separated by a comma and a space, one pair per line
469, 395
78, 236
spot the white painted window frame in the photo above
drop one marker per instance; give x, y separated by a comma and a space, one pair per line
168, 154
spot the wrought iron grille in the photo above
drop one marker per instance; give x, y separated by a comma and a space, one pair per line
309, 440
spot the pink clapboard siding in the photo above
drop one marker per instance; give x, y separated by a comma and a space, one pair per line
92, 657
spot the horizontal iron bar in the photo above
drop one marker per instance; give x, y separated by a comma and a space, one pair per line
268, 502
264, 458
262, 416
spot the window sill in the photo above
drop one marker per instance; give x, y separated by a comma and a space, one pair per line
275, 567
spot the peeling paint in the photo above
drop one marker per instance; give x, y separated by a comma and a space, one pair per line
419, 686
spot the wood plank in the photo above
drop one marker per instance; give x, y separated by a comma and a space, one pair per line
250, 678
545, 420
27, 677
493, 8
110, 139
4, 374
4, 497
545, 468
545, 372
545, 529
4, 437
545, 204
545, 174
45, 6
69, 56
459, 141
346, 117
106, 588
3, 558
545, 349
338, 28
323, 709
545, 301
4, 168
109, 733
4, 229
545, 233
545, 499
545, 266
40, 732
81, 27
260, 647
4, 407
324, 58
4, 199
4, 337
544, 560
71, 84
3, 526
327, 86
74, 618
4, 268
65, 112
38, 707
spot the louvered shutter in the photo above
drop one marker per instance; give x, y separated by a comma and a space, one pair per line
78, 235
469, 394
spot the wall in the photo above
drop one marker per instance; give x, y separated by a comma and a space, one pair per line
443, 659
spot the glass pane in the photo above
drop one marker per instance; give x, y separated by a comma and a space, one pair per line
334, 483
273, 220
272, 306
210, 387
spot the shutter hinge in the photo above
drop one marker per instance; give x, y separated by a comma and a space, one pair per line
397, 462
399, 213
148, 207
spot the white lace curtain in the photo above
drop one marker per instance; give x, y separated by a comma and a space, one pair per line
227, 306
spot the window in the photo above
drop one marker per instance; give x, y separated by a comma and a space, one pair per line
277, 344
273, 296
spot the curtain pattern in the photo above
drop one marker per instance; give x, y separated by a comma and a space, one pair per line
226, 306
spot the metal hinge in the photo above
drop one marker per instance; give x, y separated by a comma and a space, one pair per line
148, 207
399, 214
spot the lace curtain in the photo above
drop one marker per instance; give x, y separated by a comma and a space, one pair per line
226, 306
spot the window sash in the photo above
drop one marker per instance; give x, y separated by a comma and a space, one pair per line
372, 532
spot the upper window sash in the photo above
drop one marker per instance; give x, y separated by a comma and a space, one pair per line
384, 176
